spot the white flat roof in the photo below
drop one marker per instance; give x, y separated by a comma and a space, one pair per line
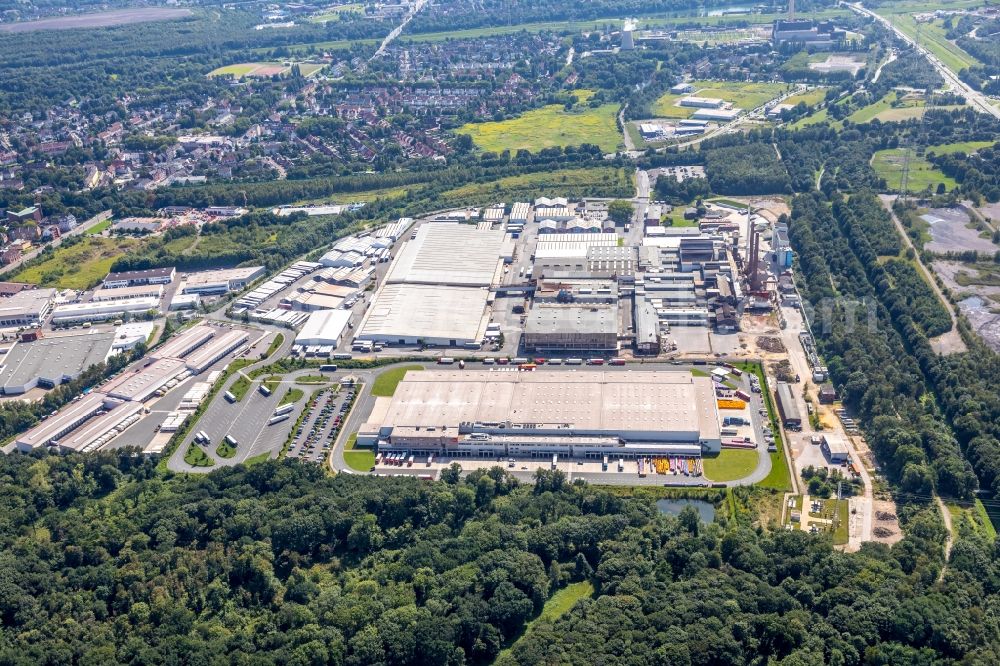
324, 327
597, 401
85, 435
142, 383
216, 347
449, 254
425, 311
183, 343
50, 428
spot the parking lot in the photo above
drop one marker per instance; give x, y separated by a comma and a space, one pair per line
246, 422
327, 410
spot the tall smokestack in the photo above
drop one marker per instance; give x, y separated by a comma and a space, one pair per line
791, 10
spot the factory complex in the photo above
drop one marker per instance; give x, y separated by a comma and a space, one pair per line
475, 413
93, 420
437, 290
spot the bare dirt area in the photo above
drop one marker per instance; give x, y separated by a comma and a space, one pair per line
980, 303
771, 209
990, 210
951, 230
100, 20
885, 524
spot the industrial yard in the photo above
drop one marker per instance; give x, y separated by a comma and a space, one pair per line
549, 335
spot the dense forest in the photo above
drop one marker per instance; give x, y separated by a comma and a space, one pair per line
106, 562
746, 169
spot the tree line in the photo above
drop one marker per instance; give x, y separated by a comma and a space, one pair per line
107, 562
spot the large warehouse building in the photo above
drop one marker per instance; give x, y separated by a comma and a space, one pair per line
540, 414
437, 289
324, 328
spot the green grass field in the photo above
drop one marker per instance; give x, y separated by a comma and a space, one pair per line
332, 14
385, 384
730, 465
967, 147
196, 456
810, 97
99, 227
743, 95
263, 69
80, 265
970, 519
224, 450
360, 460
238, 70
293, 395
549, 126
812, 119
564, 182
888, 164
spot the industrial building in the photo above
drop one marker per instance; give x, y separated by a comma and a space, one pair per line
541, 414
562, 255
411, 314
806, 33
72, 313
128, 293
436, 291
787, 407
451, 254
139, 278
835, 448
519, 213
216, 348
185, 342
220, 281
718, 115
702, 102
26, 308
325, 328
567, 327
81, 424
49, 362
142, 383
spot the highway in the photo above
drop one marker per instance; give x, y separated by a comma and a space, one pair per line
975, 99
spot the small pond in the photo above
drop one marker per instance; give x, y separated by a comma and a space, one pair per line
673, 507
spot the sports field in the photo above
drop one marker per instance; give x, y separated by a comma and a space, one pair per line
264, 69
80, 265
549, 126
746, 96
332, 14
888, 164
